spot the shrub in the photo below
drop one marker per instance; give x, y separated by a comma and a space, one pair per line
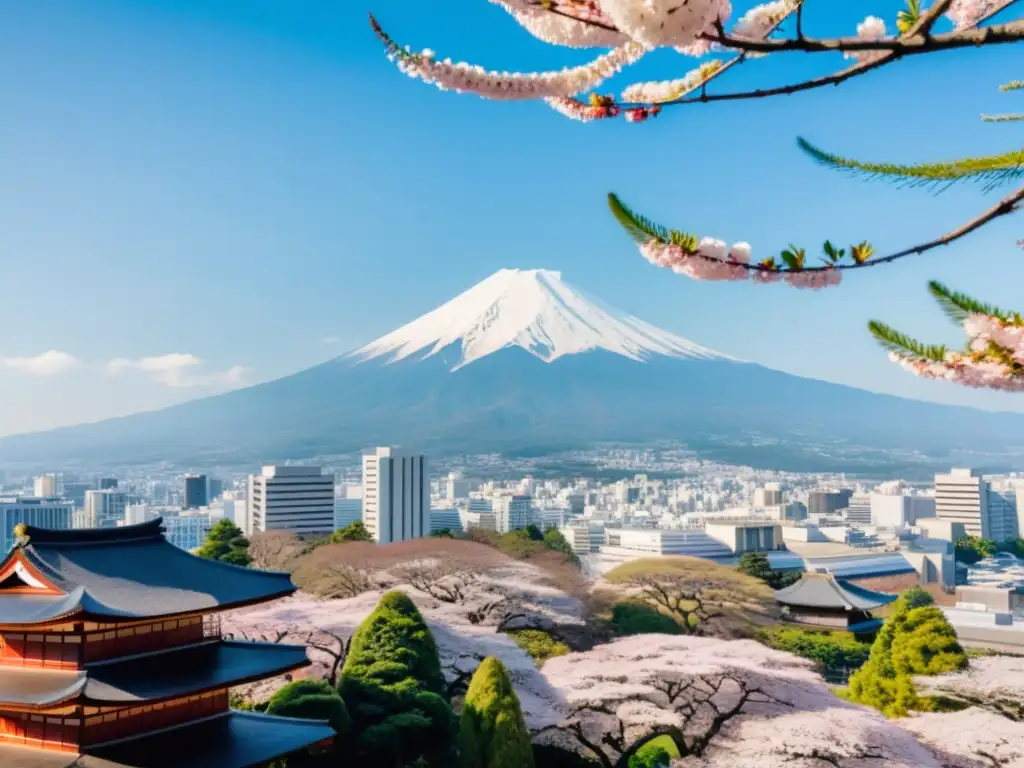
632, 617
650, 757
539, 644
832, 650
313, 700
393, 687
226, 542
492, 733
916, 640
971, 549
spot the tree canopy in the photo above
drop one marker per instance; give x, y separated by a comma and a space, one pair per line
227, 543
393, 686
756, 564
493, 733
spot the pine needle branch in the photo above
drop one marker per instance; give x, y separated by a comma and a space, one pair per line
1013, 85
1003, 118
640, 228
958, 306
993, 170
903, 345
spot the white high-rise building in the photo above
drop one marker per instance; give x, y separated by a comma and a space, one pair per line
900, 510
963, 497
41, 512
297, 500
396, 496
45, 487
859, 510
105, 508
769, 496
511, 512
455, 488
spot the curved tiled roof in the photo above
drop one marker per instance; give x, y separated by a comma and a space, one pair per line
129, 572
823, 590
231, 740
153, 676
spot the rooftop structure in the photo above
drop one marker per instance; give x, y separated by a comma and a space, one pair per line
823, 600
111, 655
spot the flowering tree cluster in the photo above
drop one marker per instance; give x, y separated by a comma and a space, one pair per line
704, 30
723, 703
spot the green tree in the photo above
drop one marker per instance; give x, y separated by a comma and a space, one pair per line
756, 564
971, 549
650, 756
532, 532
492, 733
633, 617
311, 699
443, 533
226, 542
916, 639
553, 539
394, 689
832, 650
352, 532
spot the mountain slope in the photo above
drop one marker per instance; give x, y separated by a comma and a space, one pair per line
523, 361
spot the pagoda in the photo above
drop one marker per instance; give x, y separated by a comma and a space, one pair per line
822, 600
111, 656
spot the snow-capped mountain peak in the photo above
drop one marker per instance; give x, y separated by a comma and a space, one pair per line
533, 309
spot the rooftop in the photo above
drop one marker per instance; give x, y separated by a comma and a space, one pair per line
823, 590
123, 573
152, 677
231, 740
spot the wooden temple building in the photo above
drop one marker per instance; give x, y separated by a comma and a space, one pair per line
822, 600
111, 656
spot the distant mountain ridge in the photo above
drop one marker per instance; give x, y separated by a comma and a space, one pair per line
525, 361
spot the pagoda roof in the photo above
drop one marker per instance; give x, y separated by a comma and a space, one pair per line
231, 740
823, 590
129, 572
152, 676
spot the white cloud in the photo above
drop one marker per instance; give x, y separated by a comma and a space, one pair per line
177, 369
49, 363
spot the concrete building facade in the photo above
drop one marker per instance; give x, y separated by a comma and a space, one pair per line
396, 496
297, 500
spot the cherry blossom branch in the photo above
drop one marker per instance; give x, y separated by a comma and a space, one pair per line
905, 45
708, 259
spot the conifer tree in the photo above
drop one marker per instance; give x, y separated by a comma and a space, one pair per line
493, 733
394, 690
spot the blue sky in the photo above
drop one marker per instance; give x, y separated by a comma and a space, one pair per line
237, 181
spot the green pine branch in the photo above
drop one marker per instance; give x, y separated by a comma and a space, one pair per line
992, 170
642, 229
1014, 85
1002, 118
958, 306
903, 345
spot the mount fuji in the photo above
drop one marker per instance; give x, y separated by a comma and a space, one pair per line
524, 363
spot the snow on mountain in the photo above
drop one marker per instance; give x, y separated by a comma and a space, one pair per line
533, 309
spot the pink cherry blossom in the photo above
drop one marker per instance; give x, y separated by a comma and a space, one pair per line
515, 86
657, 23
558, 30
967, 13
872, 28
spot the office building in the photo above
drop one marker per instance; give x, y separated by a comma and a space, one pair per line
480, 514
188, 530
396, 496
742, 536
106, 482
965, 497
136, 514
346, 512
43, 512
769, 496
297, 500
827, 502
512, 512
455, 488
214, 488
195, 492
898, 511
445, 520
1002, 514
46, 487
75, 492
858, 509
105, 508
